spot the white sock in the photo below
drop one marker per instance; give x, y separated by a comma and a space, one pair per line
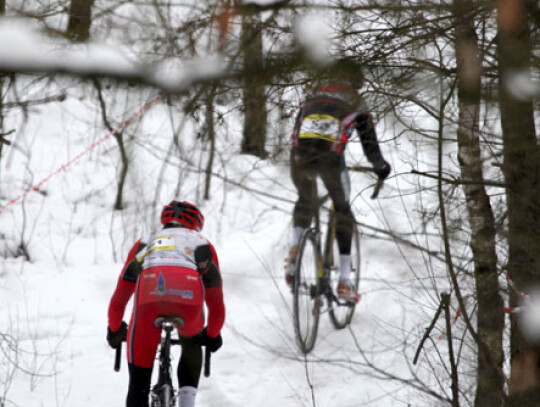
297, 234
186, 396
345, 267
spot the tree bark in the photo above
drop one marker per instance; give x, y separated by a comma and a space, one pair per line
211, 134
254, 95
522, 173
80, 19
118, 204
490, 316
2, 139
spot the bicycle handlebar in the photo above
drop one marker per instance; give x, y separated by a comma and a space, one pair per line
207, 354
360, 168
377, 188
118, 358
378, 185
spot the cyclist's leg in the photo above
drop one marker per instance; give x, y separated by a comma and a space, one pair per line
336, 179
302, 175
139, 386
142, 342
189, 372
190, 364
143, 339
143, 335
187, 396
303, 179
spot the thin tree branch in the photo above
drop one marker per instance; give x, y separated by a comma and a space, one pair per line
459, 181
444, 297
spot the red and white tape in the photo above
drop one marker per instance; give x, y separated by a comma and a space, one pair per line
65, 166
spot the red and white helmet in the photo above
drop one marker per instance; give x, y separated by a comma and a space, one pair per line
183, 213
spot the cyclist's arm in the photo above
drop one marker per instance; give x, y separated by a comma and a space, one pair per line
214, 296
297, 125
124, 288
368, 137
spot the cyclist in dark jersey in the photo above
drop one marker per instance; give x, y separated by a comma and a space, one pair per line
331, 111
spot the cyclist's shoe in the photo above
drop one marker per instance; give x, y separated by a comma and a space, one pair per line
289, 266
346, 292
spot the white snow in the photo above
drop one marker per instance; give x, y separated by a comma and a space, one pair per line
54, 307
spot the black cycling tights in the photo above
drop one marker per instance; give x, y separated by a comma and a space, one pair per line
139, 386
189, 372
189, 368
331, 168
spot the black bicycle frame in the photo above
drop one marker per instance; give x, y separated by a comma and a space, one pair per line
164, 373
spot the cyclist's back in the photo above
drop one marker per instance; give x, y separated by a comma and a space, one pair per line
324, 121
170, 283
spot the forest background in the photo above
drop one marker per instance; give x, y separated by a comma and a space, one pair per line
109, 110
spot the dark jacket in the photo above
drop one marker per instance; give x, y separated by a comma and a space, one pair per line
327, 118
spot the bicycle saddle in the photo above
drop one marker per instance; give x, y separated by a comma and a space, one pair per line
177, 322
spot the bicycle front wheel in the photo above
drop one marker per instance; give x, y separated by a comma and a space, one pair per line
306, 298
341, 312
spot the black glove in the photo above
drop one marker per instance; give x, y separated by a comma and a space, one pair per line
115, 338
212, 344
382, 169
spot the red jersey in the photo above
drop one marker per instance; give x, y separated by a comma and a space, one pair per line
150, 269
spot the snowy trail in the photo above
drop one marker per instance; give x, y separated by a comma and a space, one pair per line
54, 308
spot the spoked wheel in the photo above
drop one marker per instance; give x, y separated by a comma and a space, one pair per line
340, 311
306, 298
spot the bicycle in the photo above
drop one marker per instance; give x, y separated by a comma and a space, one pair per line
316, 275
163, 392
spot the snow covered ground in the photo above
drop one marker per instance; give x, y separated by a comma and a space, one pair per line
53, 307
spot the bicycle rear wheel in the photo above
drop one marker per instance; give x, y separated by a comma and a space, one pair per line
163, 396
341, 312
306, 299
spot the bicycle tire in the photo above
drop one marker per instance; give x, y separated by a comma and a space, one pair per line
163, 397
341, 313
306, 298
167, 396
163, 393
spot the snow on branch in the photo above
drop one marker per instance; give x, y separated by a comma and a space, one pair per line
26, 49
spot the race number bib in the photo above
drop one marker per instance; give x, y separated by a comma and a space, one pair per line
320, 126
160, 243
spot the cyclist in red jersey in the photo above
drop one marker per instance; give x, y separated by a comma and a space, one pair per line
174, 271
331, 111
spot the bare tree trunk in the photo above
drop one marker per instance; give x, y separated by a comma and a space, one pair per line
522, 173
211, 134
490, 315
254, 96
80, 19
118, 205
2, 139
2, 135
